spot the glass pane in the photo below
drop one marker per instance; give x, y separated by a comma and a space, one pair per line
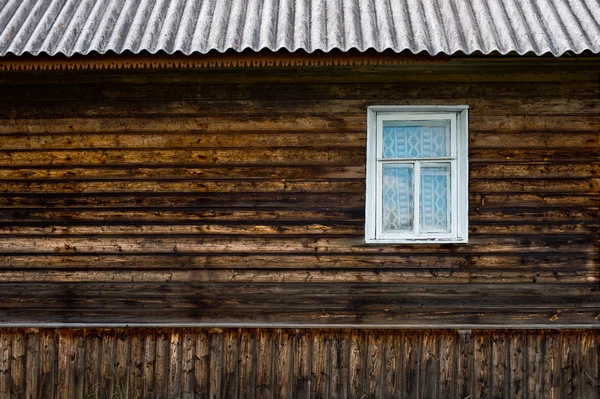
416, 139
397, 198
435, 198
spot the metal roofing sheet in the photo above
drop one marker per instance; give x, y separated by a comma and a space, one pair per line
189, 26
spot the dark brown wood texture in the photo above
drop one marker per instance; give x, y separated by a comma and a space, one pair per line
224, 196
298, 363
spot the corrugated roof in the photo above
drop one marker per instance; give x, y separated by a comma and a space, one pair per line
199, 26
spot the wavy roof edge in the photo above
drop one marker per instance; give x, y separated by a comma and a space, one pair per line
126, 51
448, 27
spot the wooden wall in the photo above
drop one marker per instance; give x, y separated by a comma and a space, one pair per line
236, 196
238, 363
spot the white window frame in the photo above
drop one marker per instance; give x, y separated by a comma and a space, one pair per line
459, 173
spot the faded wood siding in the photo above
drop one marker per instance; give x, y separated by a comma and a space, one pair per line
237, 196
249, 363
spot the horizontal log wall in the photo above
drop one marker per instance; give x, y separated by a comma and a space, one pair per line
238, 363
236, 197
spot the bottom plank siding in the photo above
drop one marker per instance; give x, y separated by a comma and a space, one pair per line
292, 363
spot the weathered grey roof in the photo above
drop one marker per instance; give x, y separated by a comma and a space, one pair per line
435, 26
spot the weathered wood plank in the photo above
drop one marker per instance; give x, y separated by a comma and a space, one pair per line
32, 363
412, 364
551, 370
121, 363
148, 371
175, 365
296, 245
191, 157
5, 355
65, 365
298, 200
429, 366
265, 360
17, 365
136, 366
280, 106
96, 139
319, 266
283, 363
161, 364
93, 369
391, 366
217, 346
301, 369
246, 365
533, 367
231, 385
588, 363
499, 365
202, 363
466, 365
172, 172
434, 274
51, 89
187, 364
320, 373
137, 228
568, 376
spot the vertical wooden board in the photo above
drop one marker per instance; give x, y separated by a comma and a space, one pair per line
216, 360
356, 364
187, 364
246, 363
32, 362
284, 361
201, 363
534, 365
568, 365
121, 363
596, 343
17, 366
412, 359
334, 365
403, 344
48, 351
149, 358
481, 361
5, 355
65, 364
136, 362
175, 364
374, 366
499, 364
448, 362
78, 348
302, 364
320, 365
391, 365
231, 370
161, 363
551, 365
430, 364
106, 380
343, 363
589, 377
265, 340
517, 364
465, 364
93, 358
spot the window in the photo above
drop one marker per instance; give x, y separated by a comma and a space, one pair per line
417, 174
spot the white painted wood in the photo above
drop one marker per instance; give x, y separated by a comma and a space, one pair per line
458, 209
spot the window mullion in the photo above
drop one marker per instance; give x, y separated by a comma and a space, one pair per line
416, 198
